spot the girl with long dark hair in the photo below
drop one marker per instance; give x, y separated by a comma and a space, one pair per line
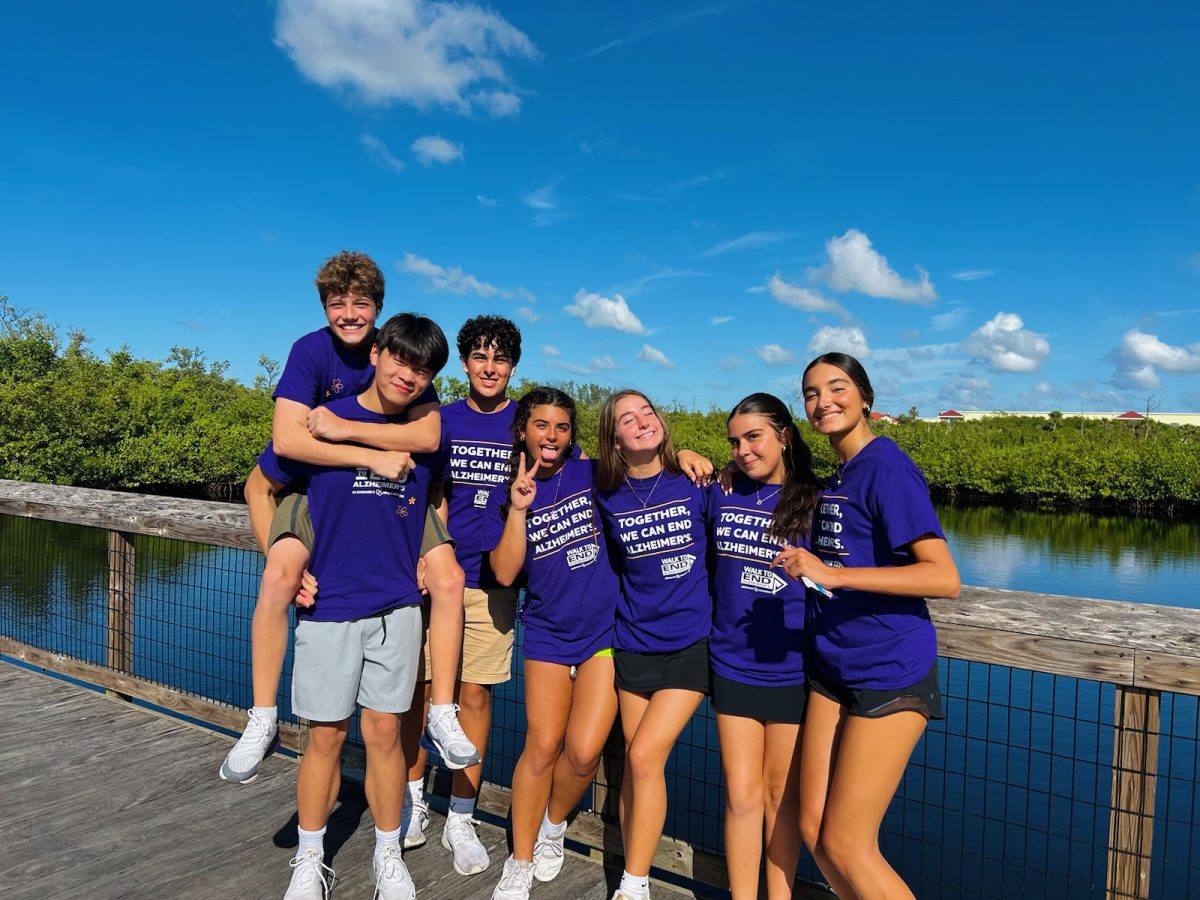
545, 528
758, 642
878, 550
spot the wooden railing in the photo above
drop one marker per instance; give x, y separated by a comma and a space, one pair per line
1142, 649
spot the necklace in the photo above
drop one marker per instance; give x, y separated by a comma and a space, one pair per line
558, 485
645, 502
760, 500
840, 468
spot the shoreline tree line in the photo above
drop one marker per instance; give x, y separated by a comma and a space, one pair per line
182, 426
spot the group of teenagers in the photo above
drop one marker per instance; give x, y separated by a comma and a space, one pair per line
402, 530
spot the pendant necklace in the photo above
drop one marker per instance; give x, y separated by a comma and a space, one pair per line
760, 500
840, 468
645, 502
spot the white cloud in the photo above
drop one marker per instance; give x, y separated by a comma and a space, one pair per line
551, 350
526, 314
604, 363
972, 274
966, 391
1006, 345
842, 340
802, 298
663, 273
485, 201
380, 154
545, 204
605, 312
854, 265
948, 321
433, 148
422, 52
719, 320
1141, 355
455, 281
654, 355
747, 241
775, 355
498, 103
732, 362
643, 30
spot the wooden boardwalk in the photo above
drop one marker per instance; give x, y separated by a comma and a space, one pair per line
101, 799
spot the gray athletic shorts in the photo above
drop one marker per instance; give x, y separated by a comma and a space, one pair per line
372, 661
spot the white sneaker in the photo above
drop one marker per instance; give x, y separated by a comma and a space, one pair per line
515, 881
450, 742
470, 856
548, 856
413, 820
260, 738
311, 878
390, 876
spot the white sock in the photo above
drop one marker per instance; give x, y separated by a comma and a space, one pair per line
437, 710
464, 806
552, 830
311, 840
416, 791
386, 839
271, 712
635, 885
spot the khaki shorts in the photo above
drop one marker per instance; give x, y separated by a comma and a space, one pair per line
487, 637
292, 519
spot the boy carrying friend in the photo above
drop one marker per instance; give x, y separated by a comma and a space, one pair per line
361, 642
324, 366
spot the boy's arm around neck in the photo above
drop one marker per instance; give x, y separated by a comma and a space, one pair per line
421, 433
289, 431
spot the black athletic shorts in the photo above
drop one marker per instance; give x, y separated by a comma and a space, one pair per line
645, 673
924, 697
778, 703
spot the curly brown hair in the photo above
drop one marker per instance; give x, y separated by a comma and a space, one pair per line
350, 272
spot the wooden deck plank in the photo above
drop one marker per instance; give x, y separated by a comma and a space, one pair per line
111, 800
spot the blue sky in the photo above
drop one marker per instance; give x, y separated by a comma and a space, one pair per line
995, 205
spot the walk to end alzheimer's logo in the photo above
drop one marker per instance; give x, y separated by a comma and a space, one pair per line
582, 555
764, 581
677, 566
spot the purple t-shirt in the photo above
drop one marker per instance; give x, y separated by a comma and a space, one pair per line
367, 533
477, 449
880, 505
658, 524
571, 590
280, 470
758, 634
319, 370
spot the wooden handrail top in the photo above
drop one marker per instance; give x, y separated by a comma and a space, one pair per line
1136, 644
203, 521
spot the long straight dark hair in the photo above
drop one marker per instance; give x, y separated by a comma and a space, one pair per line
798, 495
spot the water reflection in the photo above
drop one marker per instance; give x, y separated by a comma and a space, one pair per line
1105, 556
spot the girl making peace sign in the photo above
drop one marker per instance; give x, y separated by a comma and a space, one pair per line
548, 531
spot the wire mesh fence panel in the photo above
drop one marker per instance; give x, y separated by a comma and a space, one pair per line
1010, 796
53, 587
